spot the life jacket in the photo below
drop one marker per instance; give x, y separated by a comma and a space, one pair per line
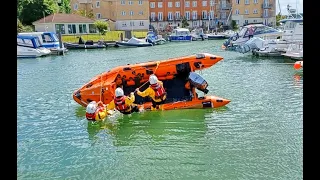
92, 116
159, 91
120, 103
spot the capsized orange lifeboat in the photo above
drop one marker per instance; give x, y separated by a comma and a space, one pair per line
173, 72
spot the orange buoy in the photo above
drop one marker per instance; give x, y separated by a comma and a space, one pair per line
297, 65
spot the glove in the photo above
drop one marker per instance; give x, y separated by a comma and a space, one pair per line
132, 93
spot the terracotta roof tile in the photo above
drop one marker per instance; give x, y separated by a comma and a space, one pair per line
64, 18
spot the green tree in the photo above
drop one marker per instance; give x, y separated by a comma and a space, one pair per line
234, 25
82, 12
22, 28
102, 26
35, 9
278, 18
184, 23
65, 7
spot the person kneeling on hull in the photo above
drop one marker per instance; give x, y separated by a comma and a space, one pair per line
155, 91
124, 104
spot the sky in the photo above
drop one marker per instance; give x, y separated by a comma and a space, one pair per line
293, 3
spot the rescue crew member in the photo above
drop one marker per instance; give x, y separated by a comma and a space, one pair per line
155, 91
124, 104
192, 89
96, 111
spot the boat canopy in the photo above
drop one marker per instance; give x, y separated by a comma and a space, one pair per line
28, 41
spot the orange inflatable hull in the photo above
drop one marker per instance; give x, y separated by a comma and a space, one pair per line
102, 86
196, 103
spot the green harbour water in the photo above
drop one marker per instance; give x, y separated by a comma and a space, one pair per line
258, 135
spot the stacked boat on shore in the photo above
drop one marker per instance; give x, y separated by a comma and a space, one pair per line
174, 73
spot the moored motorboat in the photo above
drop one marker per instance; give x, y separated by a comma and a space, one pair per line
133, 42
89, 44
173, 72
30, 47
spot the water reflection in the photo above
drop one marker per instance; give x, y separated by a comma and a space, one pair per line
153, 127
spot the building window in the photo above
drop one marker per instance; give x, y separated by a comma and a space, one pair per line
131, 23
255, 11
92, 28
204, 3
246, 21
98, 15
153, 15
194, 15
188, 15
159, 4
170, 4
237, 1
91, 6
237, 22
130, 2
170, 16
75, 6
82, 28
177, 15
246, 2
141, 23
237, 11
195, 23
223, 15
140, 2
152, 4
246, 11
194, 3
72, 29
58, 27
187, 4
123, 3
255, 1
211, 14
98, 4
211, 3
178, 4
131, 13
255, 21
140, 12
265, 14
124, 24
123, 13
204, 14
160, 16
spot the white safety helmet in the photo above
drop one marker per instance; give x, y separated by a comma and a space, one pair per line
119, 92
91, 107
153, 79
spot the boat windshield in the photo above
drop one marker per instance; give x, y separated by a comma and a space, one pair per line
37, 42
243, 31
183, 33
47, 38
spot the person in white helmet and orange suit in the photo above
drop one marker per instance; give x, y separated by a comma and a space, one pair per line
155, 91
96, 111
124, 104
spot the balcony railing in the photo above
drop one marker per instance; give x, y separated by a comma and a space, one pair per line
84, 1
225, 6
265, 15
266, 6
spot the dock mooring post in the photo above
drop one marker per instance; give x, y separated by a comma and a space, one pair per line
60, 41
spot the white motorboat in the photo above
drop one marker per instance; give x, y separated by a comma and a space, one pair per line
198, 34
294, 51
180, 34
30, 47
133, 42
242, 37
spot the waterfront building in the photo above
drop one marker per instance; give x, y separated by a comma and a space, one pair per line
127, 15
254, 11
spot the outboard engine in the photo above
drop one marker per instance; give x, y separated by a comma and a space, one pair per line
197, 81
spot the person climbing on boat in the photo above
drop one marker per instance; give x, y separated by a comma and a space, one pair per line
155, 91
124, 104
96, 111
250, 32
